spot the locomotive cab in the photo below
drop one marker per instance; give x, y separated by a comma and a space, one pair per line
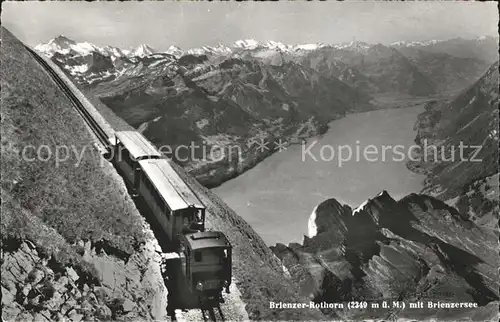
129, 148
207, 265
193, 220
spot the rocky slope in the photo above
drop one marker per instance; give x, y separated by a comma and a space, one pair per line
452, 64
471, 119
437, 247
223, 99
73, 247
448, 73
38, 287
259, 275
416, 248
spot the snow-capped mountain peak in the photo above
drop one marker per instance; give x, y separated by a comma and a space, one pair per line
84, 48
142, 51
174, 51
219, 49
62, 41
250, 44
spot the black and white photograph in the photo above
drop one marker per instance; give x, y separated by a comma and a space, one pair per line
249, 161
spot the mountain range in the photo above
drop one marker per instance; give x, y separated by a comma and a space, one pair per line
415, 68
232, 95
468, 179
414, 249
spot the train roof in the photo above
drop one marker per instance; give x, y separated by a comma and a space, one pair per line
206, 239
169, 184
138, 146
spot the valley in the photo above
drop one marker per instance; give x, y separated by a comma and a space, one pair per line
266, 195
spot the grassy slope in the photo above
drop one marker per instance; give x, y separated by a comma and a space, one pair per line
54, 206
259, 275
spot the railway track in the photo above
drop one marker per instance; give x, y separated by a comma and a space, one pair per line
89, 120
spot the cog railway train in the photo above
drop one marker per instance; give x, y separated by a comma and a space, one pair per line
205, 255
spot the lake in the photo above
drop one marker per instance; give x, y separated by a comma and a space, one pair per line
277, 196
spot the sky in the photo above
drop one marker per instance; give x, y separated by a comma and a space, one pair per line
190, 24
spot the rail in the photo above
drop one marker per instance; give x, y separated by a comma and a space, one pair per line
208, 313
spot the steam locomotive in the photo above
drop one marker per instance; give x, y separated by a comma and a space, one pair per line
205, 255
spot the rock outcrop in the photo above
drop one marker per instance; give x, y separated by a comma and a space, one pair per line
73, 245
227, 97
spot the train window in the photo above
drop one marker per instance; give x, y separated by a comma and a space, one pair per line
197, 256
149, 186
158, 200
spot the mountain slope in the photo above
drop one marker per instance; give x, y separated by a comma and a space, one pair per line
418, 248
72, 239
482, 48
70, 236
216, 103
471, 120
230, 96
414, 249
448, 72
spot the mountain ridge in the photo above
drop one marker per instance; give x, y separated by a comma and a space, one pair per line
273, 91
413, 249
271, 44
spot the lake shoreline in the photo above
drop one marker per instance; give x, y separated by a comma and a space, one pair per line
219, 177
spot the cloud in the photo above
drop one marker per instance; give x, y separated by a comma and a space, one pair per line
190, 24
